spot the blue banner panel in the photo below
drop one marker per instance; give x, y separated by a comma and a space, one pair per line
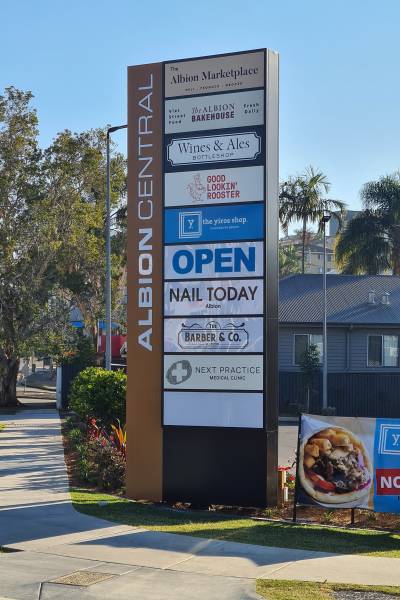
387, 465
214, 223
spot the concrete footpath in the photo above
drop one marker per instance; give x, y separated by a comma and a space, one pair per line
101, 559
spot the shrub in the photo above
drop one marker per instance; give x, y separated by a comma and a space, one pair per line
75, 436
110, 468
80, 351
101, 463
99, 394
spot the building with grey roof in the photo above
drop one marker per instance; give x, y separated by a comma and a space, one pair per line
363, 317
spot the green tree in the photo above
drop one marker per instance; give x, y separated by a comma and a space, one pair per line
75, 167
310, 365
27, 239
52, 217
371, 241
289, 263
302, 199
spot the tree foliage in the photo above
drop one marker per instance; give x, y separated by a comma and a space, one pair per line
302, 199
75, 167
27, 235
371, 241
289, 263
310, 366
52, 217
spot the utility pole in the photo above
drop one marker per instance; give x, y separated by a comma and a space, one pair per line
325, 220
108, 250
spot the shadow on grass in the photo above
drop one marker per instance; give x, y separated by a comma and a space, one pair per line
228, 528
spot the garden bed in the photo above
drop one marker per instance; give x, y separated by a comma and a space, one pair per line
363, 519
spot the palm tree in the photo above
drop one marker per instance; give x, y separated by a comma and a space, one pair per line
288, 261
301, 199
371, 241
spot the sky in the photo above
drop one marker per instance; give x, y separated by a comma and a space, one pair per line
339, 62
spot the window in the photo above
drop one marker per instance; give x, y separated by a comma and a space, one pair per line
302, 342
383, 351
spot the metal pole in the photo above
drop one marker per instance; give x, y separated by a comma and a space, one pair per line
108, 261
324, 344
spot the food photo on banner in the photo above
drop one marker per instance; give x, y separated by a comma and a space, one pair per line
349, 462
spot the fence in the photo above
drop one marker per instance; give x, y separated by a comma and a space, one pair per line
351, 394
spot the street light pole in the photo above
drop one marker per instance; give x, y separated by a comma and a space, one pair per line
325, 220
108, 249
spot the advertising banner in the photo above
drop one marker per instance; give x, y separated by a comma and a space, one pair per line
216, 297
348, 462
243, 259
219, 148
214, 335
211, 75
213, 372
213, 409
210, 224
214, 112
215, 186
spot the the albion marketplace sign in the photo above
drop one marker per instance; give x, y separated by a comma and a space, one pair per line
202, 279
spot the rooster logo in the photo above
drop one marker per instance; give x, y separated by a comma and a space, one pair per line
196, 189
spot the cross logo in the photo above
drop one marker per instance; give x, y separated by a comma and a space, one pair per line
179, 372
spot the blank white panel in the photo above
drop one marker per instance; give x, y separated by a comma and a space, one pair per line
213, 409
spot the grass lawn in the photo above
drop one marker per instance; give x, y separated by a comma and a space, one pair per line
237, 529
306, 590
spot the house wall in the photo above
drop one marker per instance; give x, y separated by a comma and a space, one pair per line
359, 350
347, 348
336, 347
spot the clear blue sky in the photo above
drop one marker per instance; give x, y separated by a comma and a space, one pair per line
340, 84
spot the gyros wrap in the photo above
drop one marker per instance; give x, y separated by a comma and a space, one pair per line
334, 466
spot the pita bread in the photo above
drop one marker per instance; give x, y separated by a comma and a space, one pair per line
334, 497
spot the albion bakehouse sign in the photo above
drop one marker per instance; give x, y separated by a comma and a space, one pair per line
214, 112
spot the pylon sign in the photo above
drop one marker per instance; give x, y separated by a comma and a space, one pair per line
202, 279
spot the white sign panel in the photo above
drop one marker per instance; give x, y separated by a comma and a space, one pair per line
210, 409
214, 148
213, 335
240, 259
226, 297
218, 74
214, 112
214, 186
213, 372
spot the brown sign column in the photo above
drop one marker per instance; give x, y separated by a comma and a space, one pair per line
143, 406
